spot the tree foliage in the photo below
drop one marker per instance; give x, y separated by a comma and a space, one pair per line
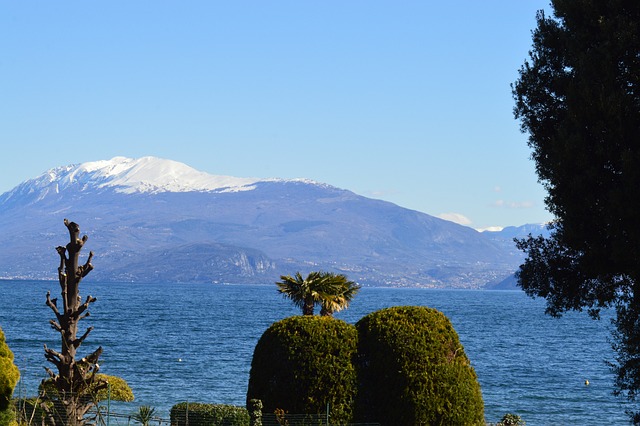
333, 292
412, 370
303, 363
116, 389
578, 98
145, 415
9, 376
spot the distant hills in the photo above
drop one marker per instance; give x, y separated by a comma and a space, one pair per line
156, 220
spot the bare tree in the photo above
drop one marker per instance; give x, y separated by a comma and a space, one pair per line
68, 393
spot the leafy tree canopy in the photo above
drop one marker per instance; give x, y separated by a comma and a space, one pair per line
333, 292
578, 98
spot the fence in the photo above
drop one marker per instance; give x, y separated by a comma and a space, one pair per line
30, 414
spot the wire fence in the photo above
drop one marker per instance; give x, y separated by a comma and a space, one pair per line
31, 415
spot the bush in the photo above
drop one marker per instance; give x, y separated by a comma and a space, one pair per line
510, 419
208, 414
412, 370
9, 376
303, 363
117, 389
254, 407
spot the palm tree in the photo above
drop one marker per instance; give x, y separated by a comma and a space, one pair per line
300, 290
339, 293
332, 291
144, 415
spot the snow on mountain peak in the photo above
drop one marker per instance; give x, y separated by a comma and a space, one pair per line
151, 174
129, 175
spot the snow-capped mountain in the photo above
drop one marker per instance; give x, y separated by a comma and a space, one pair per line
151, 219
127, 175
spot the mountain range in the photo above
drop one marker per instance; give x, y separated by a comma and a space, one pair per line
157, 220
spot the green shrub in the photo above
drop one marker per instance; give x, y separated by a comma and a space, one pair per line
303, 363
117, 389
194, 413
9, 376
412, 370
254, 407
7, 417
145, 415
510, 419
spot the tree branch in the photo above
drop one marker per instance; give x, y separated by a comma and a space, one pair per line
62, 275
50, 373
53, 304
85, 305
93, 358
87, 267
53, 356
78, 342
55, 326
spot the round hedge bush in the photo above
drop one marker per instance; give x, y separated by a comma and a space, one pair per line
412, 370
302, 363
9, 376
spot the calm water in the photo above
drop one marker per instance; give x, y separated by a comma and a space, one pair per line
194, 342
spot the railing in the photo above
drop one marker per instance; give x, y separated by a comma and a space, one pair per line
102, 417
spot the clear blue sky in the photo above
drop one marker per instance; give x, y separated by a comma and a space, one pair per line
406, 101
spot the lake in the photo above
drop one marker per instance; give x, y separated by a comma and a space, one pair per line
194, 342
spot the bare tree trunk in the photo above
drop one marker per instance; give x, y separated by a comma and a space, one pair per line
68, 391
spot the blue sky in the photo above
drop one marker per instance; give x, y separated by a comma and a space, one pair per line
405, 101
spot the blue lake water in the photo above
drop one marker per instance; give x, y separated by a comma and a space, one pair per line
194, 342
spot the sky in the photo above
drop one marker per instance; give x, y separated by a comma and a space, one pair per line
405, 101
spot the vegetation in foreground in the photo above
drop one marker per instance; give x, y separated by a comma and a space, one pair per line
577, 97
303, 363
412, 369
398, 366
9, 376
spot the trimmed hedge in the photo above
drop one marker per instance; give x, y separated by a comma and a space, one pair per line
9, 376
303, 363
412, 370
208, 414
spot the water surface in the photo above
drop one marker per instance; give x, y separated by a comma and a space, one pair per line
194, 342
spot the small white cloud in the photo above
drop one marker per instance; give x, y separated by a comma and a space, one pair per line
458, 218
497, 188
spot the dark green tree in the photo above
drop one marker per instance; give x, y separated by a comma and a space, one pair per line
303, 363
578, 98
412, 370
333, 292
9, 376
